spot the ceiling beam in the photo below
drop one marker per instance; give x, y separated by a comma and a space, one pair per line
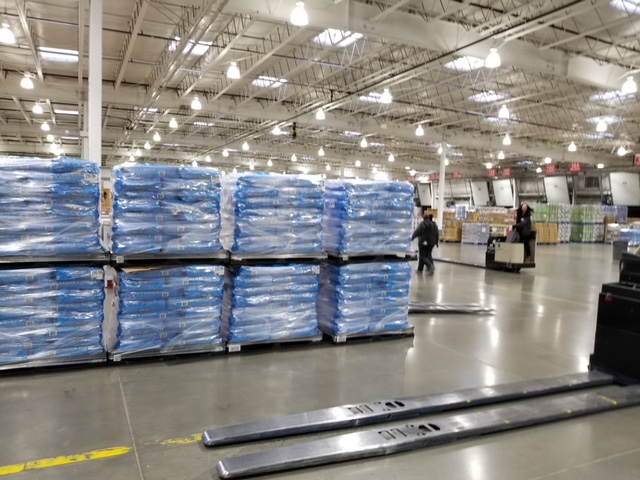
28, 34
135, 25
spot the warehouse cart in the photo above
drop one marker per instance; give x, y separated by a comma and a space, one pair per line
508, 256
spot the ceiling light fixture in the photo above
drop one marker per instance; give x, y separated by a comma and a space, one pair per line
506, 140
173, 123
572, 147
235, 170
207, 159
391, 158
26, 81
547, 160
440, 150
50, 138
503, 112
137, 152
488, 165
132, 158
6, 35
225, 153
233, 71
364, 143
419, 131
601, 126
37, 108
500, 155
294, 158
299, 15
412, 173
493, 59
629, 86
305, 170
538, 170
358, 163
195, 103
321, 152
147, 146
622, 151
45, 127
600, 165
194, 163
386, 96
245, 146
328, 167
251, 167
156, 137
374, 169
269, 163
446, 162
320, 114
276, 130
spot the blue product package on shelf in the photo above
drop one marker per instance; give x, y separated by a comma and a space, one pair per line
367, 217
52, 314
270, 303
365, 298
49, 207
272, 214
163, 209
168, 309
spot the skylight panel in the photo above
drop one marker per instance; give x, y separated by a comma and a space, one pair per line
488, 97
465, 64
264, 81
58, 55
333, 37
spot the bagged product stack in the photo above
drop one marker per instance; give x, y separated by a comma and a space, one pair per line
364, 217
271, 303
162, 209
587, 224
49, 206
271, 214
364, 298
167, 310
51, 315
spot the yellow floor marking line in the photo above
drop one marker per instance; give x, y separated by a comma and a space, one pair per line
191, 439
64, 460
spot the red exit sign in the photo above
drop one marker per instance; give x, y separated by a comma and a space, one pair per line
637, 162
575, 167
506, 172
551, 169
492, 172
456, 175
434, 176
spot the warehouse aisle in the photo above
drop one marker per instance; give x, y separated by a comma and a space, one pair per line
145, 417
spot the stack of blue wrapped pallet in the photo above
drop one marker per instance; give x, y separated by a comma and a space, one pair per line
51, 315
272, 214
167, 310
367, 217
162, 209
49, 207
369, 223
271, 303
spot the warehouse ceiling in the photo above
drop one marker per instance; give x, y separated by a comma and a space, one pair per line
563, 65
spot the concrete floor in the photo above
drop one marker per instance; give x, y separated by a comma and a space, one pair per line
544, 325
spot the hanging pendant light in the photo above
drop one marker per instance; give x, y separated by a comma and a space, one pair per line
156, 137
629, 86
137, 152
506, 140
26, 81
233, 71
294, 158
207, 159
622, 151
538, 170
364, 143
493, 59
225, 153
600, 165
328, 167
245, 146
320, 114
6, 35
548, 160
419, 131
446, 162
37, 108
132, 158
374, 169
45, 127
503, 112
251, 167
269, 163
276, 130
601, 126
50, 138
440, 150
195, 103
386, 96
321, 152
572, 147
173, 123
194, 163
488, 165
358, 163
391, 158
501, 155
147, 146
299, 15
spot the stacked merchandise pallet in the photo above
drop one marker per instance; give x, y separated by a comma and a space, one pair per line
615, 217
169, 282
475, 233
587, 224
631, 234
166, 310
272, 226
559, 215
364, 287
50, 313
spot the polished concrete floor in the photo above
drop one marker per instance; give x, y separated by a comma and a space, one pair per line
543, 325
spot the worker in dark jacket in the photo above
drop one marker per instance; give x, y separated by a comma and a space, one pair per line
428, 237
524, 227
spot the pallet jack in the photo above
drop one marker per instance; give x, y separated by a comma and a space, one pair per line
612, 382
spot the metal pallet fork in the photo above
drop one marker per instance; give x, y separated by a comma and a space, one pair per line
433, 307
346, 416
406, 437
